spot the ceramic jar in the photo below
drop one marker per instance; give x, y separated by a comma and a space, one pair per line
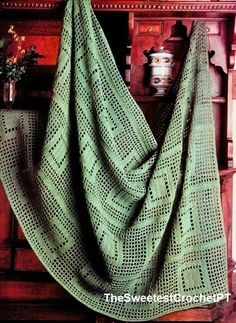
161, 64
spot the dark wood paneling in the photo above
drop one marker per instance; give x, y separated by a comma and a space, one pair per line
26, 260
16, 290
5, 216
32, 27
54, 311
5, 257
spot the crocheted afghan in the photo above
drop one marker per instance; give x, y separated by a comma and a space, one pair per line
109, 206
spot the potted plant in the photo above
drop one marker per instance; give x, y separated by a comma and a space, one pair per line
14, 63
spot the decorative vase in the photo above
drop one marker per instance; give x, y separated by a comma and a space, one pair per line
9, 93
161, 64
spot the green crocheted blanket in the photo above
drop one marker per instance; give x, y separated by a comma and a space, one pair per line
110, 208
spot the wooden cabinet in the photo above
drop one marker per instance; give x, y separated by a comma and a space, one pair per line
143, 25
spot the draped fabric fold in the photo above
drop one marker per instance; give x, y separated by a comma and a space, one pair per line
108, 207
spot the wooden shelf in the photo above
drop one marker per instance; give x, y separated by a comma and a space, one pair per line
218, 99
227, 172
39, 94
146, 98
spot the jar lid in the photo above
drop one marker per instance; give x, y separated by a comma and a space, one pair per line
163, 50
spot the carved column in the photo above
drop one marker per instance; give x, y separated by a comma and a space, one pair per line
231, 125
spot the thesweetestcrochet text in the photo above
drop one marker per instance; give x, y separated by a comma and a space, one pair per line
172, 298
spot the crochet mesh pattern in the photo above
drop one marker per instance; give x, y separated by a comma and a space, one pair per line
107, 206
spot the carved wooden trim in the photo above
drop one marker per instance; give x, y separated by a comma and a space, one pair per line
232, 56
123, 5
164, 6
32, 5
